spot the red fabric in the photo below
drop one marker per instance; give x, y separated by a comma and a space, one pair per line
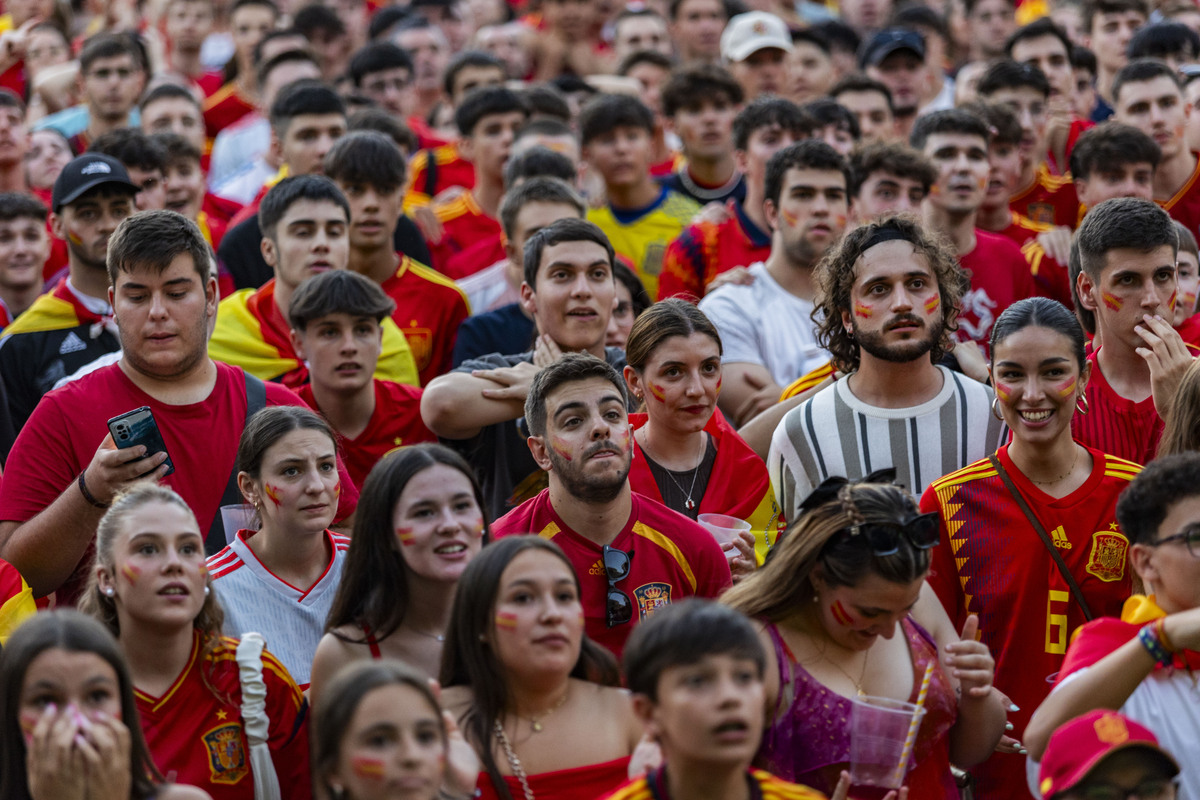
82, 314
220, 207
452, 170
276, 331
992, 563
664, 168
427, 138
739, 477
250, 209
475, 257
999, 277
1100, 637
704, 250
223, 108
463, 224
1190, 330
693, 566
13, 79
198, 737
579, 783
1184, 207
1115, 424
428, 313
1050, 200
1020, 229
1049, 275
1078, 126
62, 435
396, 423
210, 82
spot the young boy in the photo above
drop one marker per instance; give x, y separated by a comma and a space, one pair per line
488, 120
694, 667
336, 320
700, 103
641, 217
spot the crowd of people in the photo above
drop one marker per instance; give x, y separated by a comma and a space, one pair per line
577, 400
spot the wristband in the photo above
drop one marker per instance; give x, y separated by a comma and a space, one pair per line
91, 498
1160, 630
1153, 646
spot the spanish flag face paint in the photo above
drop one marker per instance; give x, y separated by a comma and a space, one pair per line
273, 493
370, 768
1004, 392
506, 620
1066, 388
1113, 302
131, 574
659, 393
840, 615
862, 311
406, 536
933, 304
562, 452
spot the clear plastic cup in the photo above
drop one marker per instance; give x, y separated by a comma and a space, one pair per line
236, 518
724, 528
878, 731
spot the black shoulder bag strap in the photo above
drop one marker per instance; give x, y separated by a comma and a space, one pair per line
256, 400
431, 173
1076, 592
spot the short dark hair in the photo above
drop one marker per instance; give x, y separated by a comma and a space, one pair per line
9, 99
1149, 497
1141, 71
827, 111
300, 98
315, 18
338, 291
1163, 40
292, 190
484, 102
1122, 223
537, 162
380, 121
692, 86
921, 18
559, 231
839, 35
1002, 122
835, 275
132, 148
684, 633
256, 57
1036, 30
176, 148
546, 103
571, 368
385, 19
276, 61
544, 126
808, 154
111, 45
376, 57
1112, 144
813, 37
468, 58
152, 240
1091, 8
607, 112
21, 205
770, 112
644, 57
673, 8
1008, 74
1084, 59
951, 120
168, 91
857, 82
366, 157
537, 190
893, 158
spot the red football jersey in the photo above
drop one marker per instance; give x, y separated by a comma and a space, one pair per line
463, 224
999, 277
1021, 229
478, 256
429, 309
1050, 200
396, 423
197, 736
224, 107
671, 558
1051, 277
705, 250
1115, 424
992, 563
1184, 207
448, 168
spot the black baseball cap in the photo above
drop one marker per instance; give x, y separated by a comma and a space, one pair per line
893, 40
86, 172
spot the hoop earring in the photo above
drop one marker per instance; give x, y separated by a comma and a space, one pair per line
1085, 408
996, 408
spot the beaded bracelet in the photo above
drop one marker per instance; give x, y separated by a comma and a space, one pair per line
91, 498
1153, 646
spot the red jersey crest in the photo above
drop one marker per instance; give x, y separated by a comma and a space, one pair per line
1108, 556
651, 597
226, 753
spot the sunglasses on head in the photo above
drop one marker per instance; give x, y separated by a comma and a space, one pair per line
883, 538
619, 606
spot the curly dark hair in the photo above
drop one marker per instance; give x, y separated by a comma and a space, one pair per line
836, 275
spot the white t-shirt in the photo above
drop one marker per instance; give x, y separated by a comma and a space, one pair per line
765, 324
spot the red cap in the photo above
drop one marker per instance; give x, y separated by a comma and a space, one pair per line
1079, 745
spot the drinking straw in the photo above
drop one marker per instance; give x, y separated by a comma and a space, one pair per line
898, 775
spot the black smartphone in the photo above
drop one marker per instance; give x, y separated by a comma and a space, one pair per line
138, 427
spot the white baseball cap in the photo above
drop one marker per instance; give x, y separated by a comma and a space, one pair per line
748, 33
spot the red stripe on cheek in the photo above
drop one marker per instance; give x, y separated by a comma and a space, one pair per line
407, 537
1066, 388
367, 767
131, 574
1112, 302
1171, 300
272, 492
840, 614
862, 311
562, 453
1003, 391
719, 383
932, 304
659, 394
506, 619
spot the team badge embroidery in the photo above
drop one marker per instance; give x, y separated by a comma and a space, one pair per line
651, 597
226, 753
1041, 212
420, 342
1107, 559
1111, 729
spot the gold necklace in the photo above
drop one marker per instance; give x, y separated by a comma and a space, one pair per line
1065, 475
862, 676
535, 723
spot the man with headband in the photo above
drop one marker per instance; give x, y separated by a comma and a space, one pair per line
889, 295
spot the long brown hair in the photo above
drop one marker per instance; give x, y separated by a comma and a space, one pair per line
468, 659
1181, 431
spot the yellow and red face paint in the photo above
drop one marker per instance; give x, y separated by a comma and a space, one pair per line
131, 574
1003, 391
659, 393
1172, 299
1066, 388
862, 311
840, 615
273, 493
933, 304
365, 767
563, 453
406, 536
506, 619
1112, 301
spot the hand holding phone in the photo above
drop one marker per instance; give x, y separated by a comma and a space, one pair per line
138, 427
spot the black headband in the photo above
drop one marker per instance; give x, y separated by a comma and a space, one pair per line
881, 234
